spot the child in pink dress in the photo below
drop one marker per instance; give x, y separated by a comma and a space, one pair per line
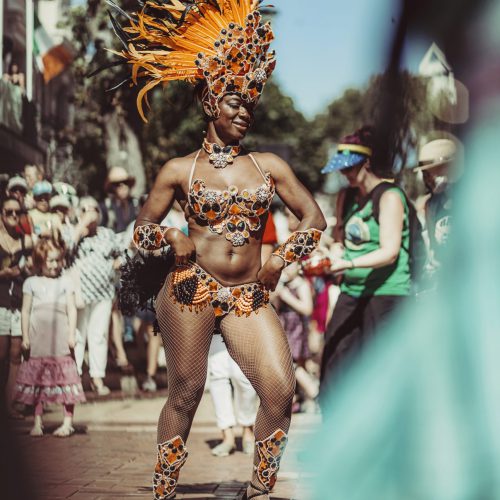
48, 324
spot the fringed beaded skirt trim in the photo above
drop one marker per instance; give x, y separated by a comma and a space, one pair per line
193, 287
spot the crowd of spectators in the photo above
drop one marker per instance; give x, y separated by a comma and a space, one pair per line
97, 236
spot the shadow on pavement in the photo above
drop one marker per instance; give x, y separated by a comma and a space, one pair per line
233, 490
14, 475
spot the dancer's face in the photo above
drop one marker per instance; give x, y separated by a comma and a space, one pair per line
236, 117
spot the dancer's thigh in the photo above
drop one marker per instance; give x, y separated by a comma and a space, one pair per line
186, 335
259, 345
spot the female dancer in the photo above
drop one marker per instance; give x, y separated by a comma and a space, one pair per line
225, 192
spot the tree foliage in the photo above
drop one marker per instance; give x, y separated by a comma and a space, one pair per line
399, 102
175, 121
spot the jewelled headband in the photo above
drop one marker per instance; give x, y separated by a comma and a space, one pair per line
222, 42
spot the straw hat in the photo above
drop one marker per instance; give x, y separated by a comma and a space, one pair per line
117, 175
435, 153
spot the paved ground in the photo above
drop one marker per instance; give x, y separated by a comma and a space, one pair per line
113, 453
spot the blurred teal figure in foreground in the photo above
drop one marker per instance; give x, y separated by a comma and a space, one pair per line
417, 417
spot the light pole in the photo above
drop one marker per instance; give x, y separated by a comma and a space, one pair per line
30, 25
1, 37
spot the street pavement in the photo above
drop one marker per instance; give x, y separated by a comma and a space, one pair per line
113, 452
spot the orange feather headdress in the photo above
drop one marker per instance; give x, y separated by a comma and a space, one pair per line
222, 42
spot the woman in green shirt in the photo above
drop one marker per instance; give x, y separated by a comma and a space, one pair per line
376, 260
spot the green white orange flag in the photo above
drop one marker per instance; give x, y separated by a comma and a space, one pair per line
51, 58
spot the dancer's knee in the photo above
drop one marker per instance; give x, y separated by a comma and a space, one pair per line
185, 394
279, 395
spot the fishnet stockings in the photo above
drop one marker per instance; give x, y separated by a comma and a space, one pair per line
260, 347
186, 338
257, 343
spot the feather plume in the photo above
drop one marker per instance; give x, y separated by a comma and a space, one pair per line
221, 41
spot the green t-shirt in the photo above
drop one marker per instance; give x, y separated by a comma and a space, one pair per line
362, 236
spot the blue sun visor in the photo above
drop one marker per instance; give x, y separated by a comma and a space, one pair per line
343, 159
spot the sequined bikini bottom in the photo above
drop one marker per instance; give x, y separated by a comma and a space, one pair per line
193, 287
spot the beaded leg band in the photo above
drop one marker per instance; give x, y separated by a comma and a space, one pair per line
270, 451
193, 287
299, 245
150, 237
171, 457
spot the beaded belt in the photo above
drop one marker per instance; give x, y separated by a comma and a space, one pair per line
193, 287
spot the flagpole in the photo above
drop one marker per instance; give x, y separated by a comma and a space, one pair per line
1, 38
30, 25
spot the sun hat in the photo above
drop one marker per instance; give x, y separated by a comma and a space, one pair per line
117, 175
352, 150
436, 152
68, 191
42, 187
88, 201
64, 189
17, 181
59, 201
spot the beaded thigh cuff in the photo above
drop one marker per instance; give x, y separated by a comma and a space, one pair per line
171, 457
193, 287
299, 244
270, 451
150, 237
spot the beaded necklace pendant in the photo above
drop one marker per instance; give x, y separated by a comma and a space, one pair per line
220, 157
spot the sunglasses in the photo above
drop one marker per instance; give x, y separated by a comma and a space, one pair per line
12, 213
115, 185
42, 197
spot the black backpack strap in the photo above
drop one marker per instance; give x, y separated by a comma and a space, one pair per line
376, 194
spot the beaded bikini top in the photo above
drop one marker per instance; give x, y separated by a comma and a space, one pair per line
231, 210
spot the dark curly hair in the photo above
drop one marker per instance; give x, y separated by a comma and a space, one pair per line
364, 136
371, 137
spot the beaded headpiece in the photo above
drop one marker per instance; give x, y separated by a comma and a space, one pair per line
222, 42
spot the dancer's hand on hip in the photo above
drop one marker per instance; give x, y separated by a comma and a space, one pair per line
270, 272
181, 244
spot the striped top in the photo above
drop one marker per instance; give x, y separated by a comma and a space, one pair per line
94, 260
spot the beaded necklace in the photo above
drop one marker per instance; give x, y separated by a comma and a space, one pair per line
220, 157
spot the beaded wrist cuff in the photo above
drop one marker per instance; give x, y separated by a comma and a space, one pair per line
298, 245
150, 237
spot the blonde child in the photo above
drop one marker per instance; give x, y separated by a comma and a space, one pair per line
48, 324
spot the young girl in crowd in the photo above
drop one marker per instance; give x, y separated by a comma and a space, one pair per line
48, 323
294, 302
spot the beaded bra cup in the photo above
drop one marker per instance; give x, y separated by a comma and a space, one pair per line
231, 210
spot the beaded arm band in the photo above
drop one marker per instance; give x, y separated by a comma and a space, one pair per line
298, 245
151, 237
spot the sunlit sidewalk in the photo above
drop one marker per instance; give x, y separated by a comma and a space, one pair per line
113, 453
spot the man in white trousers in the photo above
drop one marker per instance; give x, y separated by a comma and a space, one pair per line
234, 399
